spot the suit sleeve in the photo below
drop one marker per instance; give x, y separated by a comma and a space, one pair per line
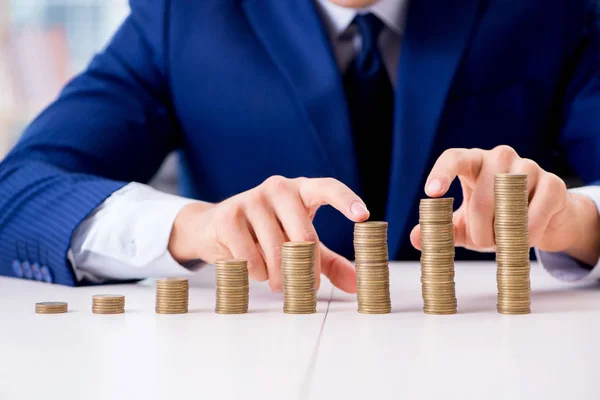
580, 135
111, 125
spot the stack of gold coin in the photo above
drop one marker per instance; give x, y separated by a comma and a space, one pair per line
51, 307
437, 256
232, 286
172, 295
372, 269
298, 270
512, 243
108, 304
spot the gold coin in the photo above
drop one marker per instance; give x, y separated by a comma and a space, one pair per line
372, 270
172, 281
51, 307
512, 242
298, 277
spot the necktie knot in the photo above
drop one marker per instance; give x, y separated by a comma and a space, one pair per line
369, 27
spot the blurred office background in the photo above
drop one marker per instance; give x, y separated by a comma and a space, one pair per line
44, 43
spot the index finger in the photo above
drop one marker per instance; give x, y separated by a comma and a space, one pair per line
318, 192
452, 163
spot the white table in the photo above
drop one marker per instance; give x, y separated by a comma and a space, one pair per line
337, 353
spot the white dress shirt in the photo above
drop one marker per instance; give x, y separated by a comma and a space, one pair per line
127, 236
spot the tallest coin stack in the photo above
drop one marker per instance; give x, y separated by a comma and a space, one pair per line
512, 243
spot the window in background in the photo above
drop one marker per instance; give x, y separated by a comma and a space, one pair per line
43, 43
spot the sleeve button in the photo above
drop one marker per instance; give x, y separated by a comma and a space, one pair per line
27, 273
35, 270
16, 266
46, 274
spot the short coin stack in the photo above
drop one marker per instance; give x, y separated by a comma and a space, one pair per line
232, 286
297, 267
512, 243
108, 304
437, 256
172, 295
51, 307
372, 269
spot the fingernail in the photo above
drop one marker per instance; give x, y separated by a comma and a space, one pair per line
359, 209
275, 290
434, 187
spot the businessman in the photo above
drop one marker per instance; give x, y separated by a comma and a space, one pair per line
281, 107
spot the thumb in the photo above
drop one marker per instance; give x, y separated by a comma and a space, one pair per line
338, 269
461, 234
415, 237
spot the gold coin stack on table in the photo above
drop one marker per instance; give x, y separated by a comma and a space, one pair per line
172, 295
372, 269
512, 243
298, 270
51, 307
108, 304
437, 256
232, 287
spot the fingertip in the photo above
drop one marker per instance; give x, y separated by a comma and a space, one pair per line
415, 237
359, 211
275, 288
275, 284
351, 288
348, 282
340, 271
435, 187
259, 277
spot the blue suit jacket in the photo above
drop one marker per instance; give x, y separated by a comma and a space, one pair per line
250, 88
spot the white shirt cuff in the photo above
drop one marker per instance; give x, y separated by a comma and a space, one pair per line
561, 265
127, 237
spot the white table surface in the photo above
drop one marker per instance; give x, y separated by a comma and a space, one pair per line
337, 353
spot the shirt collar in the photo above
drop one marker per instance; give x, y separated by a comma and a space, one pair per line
338, 18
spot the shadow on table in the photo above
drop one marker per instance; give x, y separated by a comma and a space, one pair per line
134, 311
200, 310
544, 301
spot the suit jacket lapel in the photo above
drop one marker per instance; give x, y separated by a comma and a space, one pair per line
436, 35
294, 36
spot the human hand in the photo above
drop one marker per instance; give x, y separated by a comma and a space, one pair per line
558, 220
254, 224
